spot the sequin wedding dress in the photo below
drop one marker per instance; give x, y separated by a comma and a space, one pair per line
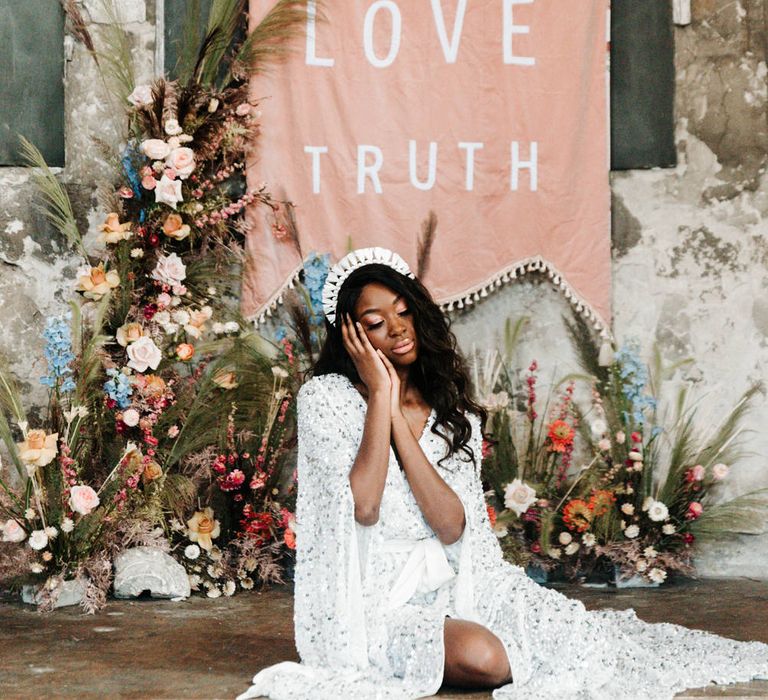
370, 602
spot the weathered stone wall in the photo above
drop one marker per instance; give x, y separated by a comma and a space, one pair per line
690, 255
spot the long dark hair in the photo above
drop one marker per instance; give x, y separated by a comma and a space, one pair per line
439, 373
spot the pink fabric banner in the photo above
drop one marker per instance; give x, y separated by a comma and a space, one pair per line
491, 113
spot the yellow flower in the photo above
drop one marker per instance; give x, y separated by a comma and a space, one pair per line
38, 448
94, 283
112, 231
202, 528
128, 333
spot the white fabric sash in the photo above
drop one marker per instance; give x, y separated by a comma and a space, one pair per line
426, 569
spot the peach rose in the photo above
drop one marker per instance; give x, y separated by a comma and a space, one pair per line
202, 528
112, 231
155, 149
182, 160
174, 227
144, 354
152, 386
94, 282
38, 448
195, 325
185, 351
152, 471
148, 182
83, 499
129, 333
13, 532
225, 379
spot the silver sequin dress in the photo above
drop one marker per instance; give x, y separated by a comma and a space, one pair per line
370, 602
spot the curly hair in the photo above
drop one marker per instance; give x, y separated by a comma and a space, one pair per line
439, 372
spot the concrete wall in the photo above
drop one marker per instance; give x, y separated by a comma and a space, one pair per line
690, 256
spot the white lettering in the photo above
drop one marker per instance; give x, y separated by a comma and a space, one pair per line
312, 58
394, 43
450, 50
315, 151
370, 171
431, 170
532, 165
510, 28
471, 147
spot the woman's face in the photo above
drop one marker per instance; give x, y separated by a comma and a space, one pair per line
388, 323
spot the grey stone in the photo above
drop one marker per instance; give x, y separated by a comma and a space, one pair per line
70, 593
149, 569
125, 11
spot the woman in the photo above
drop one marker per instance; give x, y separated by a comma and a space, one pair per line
400, 583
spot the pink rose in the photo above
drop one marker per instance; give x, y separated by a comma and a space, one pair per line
182, 160
83, 499
144, 354
168, 192
720, 471
155, 149
13, 532
148, 182
698, 473
131, 417
695, 509
164, 299
604, 445
170, 270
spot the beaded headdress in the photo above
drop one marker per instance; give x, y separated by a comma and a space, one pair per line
351, 262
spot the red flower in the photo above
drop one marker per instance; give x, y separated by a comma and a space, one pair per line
536, 548
688, 538
487, 448
577, 515
636, 437
561, 435
491, 515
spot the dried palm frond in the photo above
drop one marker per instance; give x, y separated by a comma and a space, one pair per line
115, 60
56, 204
78, 27
425, 241
269, 40
587, 349
744, 515
189, 42
10, 403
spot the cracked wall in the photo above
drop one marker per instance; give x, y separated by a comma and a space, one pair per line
690, 253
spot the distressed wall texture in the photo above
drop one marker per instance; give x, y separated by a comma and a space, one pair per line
690, 254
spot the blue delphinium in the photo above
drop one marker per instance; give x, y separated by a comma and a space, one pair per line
315, 272
130, 153
118, 388
58, 353
634, 376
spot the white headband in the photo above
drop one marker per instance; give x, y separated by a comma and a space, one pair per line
351, 262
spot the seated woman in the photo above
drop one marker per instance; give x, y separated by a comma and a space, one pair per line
400, 582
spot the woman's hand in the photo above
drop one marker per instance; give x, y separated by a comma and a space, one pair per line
395, 408
368, 363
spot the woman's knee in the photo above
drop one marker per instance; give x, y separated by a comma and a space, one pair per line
485, 658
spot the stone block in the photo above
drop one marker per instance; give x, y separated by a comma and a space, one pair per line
71, 593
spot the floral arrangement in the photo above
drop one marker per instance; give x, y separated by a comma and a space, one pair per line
159, 393
647, 482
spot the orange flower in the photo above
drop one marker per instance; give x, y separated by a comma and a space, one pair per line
185, 351
561, 435
577, 515
290, 539
151, 385
601, 501
491, 515
174, 227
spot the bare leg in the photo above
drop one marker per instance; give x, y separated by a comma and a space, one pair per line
474, 656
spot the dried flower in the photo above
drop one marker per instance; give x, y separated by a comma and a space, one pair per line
631, 532
658, 511
518, 496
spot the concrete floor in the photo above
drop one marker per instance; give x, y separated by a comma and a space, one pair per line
205, 648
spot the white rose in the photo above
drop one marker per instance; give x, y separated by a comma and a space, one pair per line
13, 532
657, 575
572, 548
588, 539
38, 540
67, 525
141, 96
192, 551
598, 428
631, 532
518, 496
658, 512
720, 471
668, 529
182, 160
170, 270
83, 499
231, 327
155, 149
627, 509
144, 354
131, 417
172, 127
168, 192
565, 538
